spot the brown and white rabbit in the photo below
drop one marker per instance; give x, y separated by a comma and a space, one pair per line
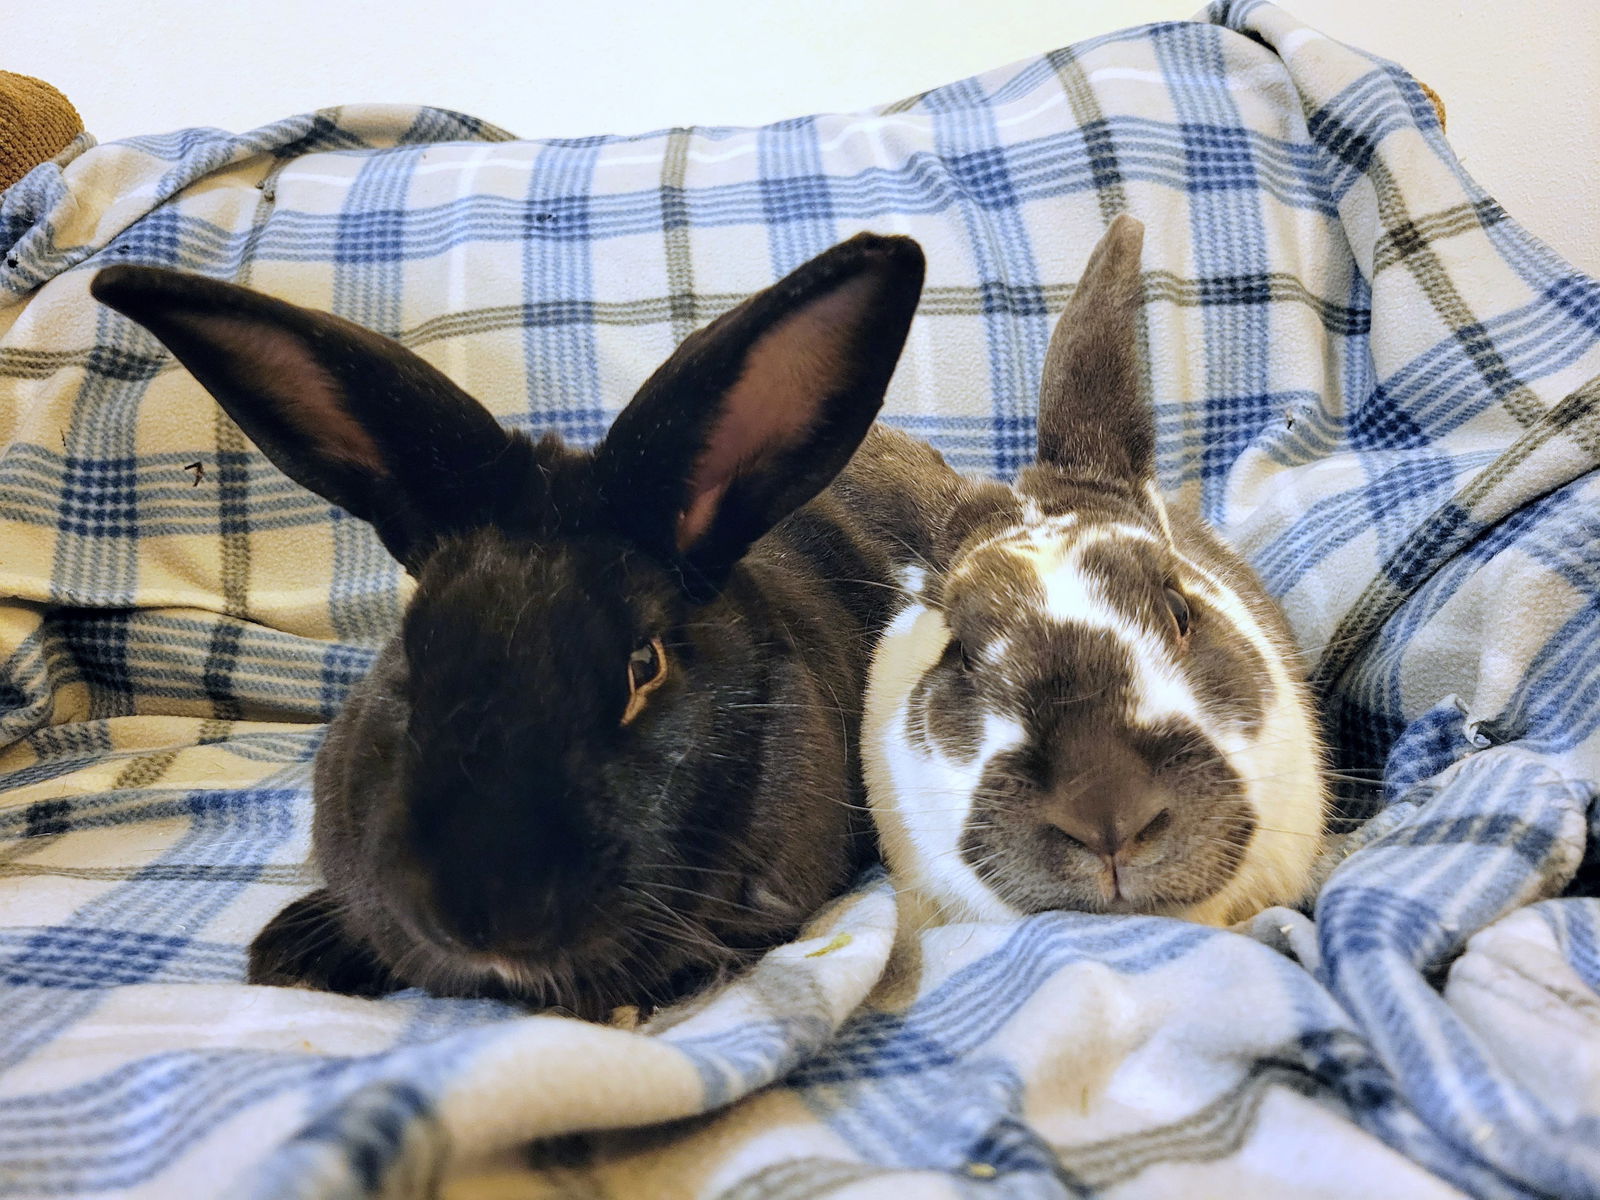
612, 748
1091, 702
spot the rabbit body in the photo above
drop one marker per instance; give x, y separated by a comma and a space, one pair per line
1089, 701
613, 749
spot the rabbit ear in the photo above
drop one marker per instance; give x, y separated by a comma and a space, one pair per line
756, 413
348, 413
1093, 423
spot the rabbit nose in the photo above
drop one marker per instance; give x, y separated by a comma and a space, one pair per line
1107, 795
484, 912
1104, 818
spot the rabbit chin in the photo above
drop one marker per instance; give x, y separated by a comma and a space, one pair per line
921, 798
519, 977
560, 984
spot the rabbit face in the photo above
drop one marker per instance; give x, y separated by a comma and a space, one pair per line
1103, 709
597, 847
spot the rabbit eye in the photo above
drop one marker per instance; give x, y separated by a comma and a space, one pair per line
1178, 606
647, 670
958, 655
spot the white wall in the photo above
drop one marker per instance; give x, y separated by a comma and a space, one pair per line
1521, 78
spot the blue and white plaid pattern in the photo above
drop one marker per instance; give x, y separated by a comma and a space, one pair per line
1364, 370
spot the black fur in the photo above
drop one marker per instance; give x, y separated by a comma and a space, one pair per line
486, 822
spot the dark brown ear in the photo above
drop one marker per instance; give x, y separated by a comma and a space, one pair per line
756, 413
1094, 424
348, 413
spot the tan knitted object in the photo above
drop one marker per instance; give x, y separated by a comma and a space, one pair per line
36, 122
1438, 100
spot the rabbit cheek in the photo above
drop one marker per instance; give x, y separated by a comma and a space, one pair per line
924, 753
1259, 715
795, 848
358, 811
1282, 789
1231, 676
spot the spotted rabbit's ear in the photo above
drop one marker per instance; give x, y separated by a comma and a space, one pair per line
756, 413
1093, 422
346, 412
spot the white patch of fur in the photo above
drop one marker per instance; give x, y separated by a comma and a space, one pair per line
519, 976
1159, 503
1025, 533
1074, 596
507, 972
920, 798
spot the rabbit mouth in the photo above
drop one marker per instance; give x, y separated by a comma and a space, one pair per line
1025, 863
1124, 892
640, 955
582, 981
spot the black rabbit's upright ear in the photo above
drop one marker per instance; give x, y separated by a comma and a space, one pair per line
756, 413
1094, 423
348, 413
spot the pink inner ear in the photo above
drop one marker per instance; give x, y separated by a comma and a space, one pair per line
789, 375
276, 365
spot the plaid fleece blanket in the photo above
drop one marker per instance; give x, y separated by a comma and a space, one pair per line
1365, 372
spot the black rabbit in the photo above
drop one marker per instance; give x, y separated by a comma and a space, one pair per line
612, 749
